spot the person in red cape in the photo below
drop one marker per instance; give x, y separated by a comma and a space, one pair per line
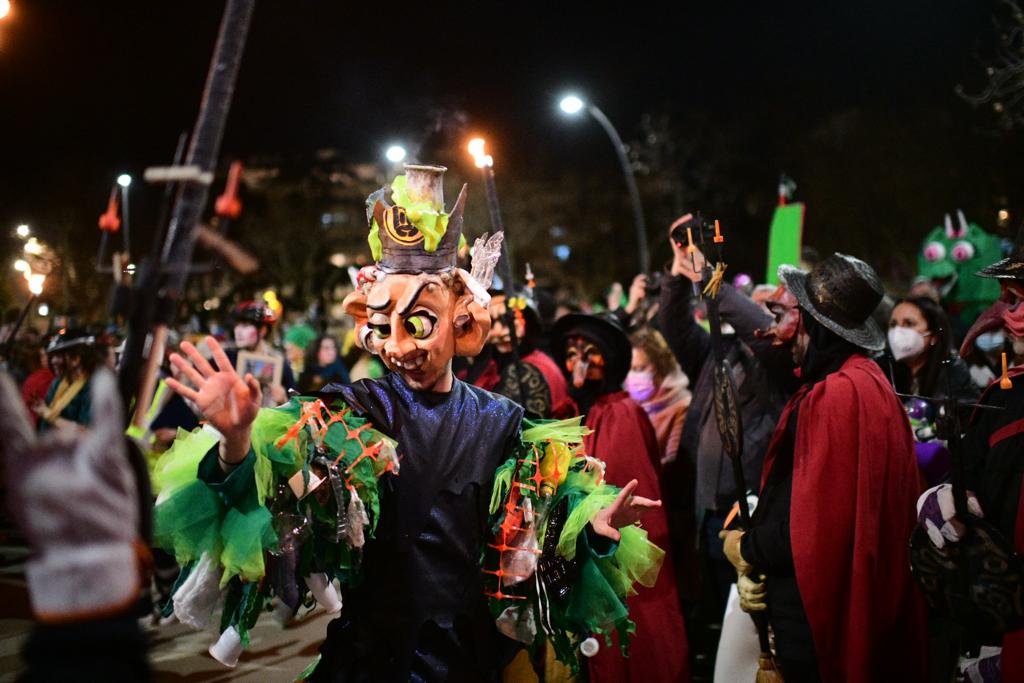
830, 531
994, 457
596, 354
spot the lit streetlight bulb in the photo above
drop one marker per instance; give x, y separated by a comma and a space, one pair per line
23, 231
395, 153
35, 283
476, 149
124, 180
571, 104
33, 247
21, 265
5, 8
44, 310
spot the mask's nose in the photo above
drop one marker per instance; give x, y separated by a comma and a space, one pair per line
579, 373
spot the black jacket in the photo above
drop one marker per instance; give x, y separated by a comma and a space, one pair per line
764, 381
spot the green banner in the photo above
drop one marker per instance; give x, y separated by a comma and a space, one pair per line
784, 239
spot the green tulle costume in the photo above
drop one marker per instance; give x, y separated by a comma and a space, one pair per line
332, 460
310, 486
542, 501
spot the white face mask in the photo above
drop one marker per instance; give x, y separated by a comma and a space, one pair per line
246, 336
990, 341
905, 342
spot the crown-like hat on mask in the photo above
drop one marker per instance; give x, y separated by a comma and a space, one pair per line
410, 232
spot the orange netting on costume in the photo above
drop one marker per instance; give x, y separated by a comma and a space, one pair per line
517, 534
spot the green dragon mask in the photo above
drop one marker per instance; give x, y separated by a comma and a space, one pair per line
951, 257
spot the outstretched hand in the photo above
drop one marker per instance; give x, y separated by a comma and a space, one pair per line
690, 266
227, 400
625, 510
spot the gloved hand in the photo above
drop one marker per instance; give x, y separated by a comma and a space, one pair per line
731, 547
73, 494
753, 595
937, 514
987, 668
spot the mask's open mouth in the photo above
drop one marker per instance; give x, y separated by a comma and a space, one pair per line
945, 285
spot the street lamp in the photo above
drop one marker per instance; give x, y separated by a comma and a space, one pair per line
573, 105
123, 181
23, 231
35, 283
5, 8
485, 162
35, 287
395, 154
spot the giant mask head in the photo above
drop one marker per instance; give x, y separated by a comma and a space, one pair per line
414, 308
951, 256
785, 309
1007, 312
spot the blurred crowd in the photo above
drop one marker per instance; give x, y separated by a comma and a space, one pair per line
644, 357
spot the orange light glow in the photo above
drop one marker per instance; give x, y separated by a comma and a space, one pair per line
476, 150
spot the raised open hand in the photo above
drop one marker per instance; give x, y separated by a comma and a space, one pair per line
229, 402
626, 509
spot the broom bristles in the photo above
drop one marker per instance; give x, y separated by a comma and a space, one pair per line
766, 671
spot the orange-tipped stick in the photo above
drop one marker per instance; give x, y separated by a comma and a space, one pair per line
689, 239
1005, 382
718, 235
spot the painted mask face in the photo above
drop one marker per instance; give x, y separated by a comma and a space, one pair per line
800, 340
499, 335
1013, 317
410, 318
783, 306
1007, 313
583, 360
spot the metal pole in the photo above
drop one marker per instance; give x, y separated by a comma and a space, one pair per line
9, 342
127, 223
171, 270
634, 194
505, 266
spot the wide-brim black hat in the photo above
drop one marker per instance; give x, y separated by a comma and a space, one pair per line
841, 293
609, 335
69, 340
1011, 267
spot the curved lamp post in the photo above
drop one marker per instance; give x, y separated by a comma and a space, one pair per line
573, 105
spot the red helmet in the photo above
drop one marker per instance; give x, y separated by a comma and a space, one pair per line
254, 312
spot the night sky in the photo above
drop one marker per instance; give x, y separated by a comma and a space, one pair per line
90, 89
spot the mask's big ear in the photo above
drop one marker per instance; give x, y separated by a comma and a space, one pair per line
472, 324
355, 305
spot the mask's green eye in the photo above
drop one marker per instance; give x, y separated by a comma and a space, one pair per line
382, 331
419, 325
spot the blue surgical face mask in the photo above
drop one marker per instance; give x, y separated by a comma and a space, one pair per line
990, 341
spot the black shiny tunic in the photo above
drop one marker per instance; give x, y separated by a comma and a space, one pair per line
420, 613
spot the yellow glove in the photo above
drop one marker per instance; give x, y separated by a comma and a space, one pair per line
753, 596
731, 547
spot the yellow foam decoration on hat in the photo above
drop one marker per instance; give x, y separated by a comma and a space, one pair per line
431, 221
